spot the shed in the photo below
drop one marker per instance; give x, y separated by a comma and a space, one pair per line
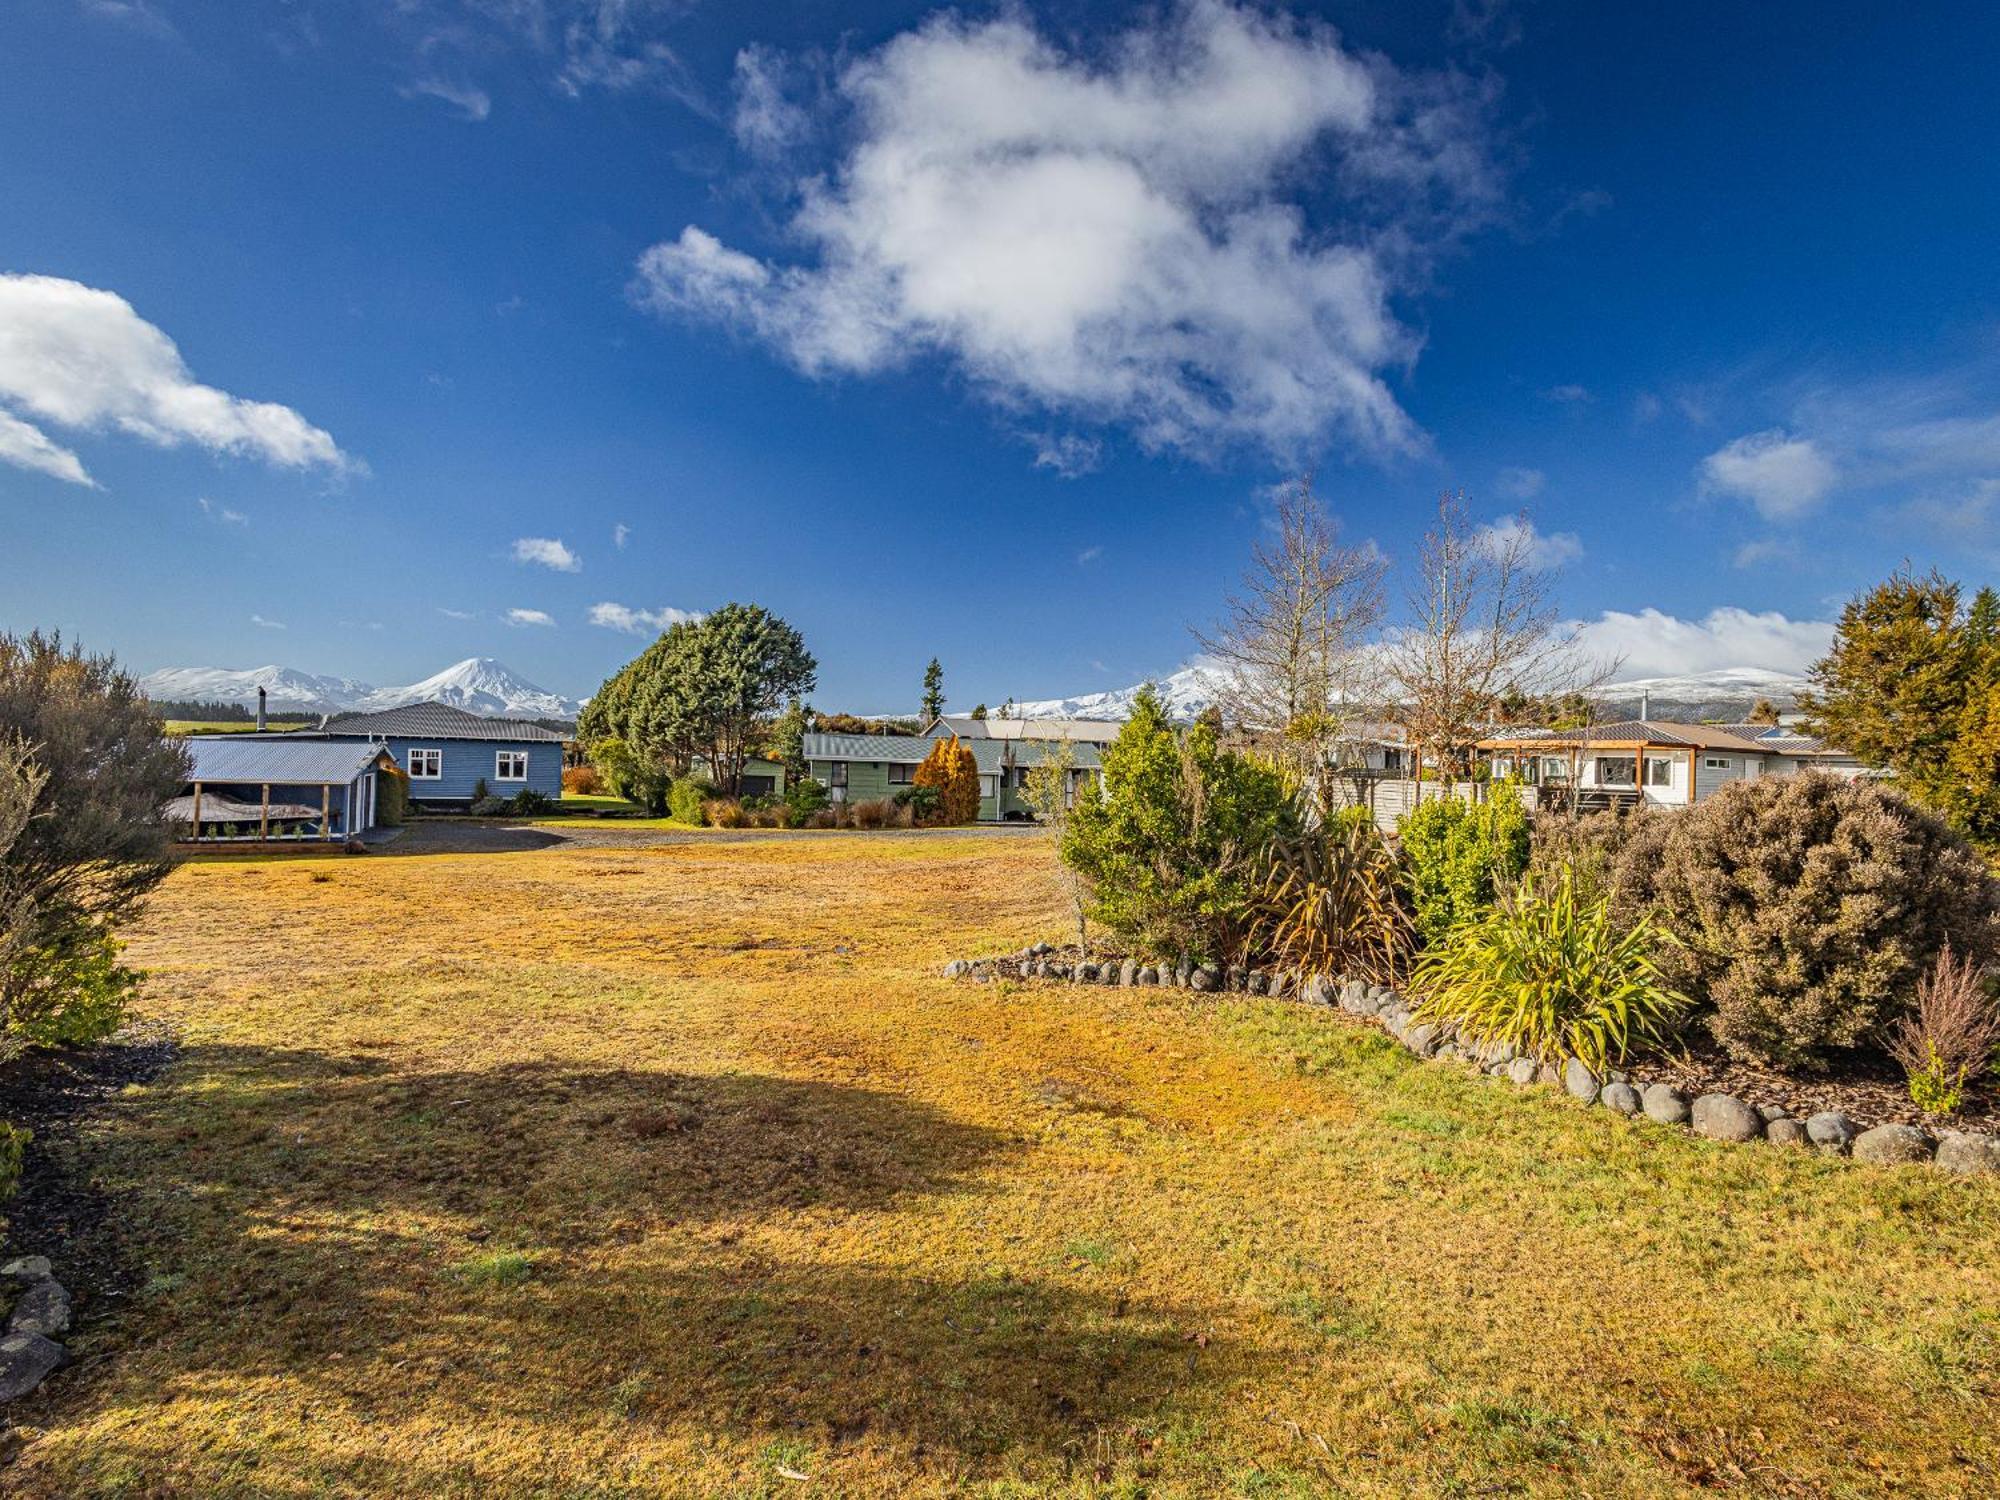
247, 788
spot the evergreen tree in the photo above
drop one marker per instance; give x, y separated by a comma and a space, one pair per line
952, 775
933, 692
1763, 711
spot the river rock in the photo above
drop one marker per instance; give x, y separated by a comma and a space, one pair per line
1892, 1145
1667, 1105
958, 968
27, 1268
43, 1308
1724, 1117
1205, 980
1522, 1070
25, 1362
1830, 1130
1967, 1151
1422, 1038
1579, 1080
1785, 1131
1621, 1097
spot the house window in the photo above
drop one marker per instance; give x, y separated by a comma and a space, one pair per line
510, 765
426, 765
1554, 768
900, 774
1715, 763
1659, 770
1615, 772
837, 774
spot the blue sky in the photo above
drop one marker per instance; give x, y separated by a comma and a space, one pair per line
976, 334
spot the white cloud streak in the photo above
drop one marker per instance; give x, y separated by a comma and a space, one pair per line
1782, 476
263, 624
472, 103
529, 617
82, 358
221, 513
546, 552
622, 617
1114, 240
1541, 549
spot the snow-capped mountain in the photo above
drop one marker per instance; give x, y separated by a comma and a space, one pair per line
479, 684
288, 689
1728, 692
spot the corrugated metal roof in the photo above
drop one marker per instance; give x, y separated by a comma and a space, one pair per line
235, 758
995, 728
436, 721
903, 749
1628, 731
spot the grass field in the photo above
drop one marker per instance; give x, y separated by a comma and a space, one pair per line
674, 1170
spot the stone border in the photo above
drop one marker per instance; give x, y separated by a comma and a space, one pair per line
1721, 1117
29, 1352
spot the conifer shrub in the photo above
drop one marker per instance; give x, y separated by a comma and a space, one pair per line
685, 798
952, 775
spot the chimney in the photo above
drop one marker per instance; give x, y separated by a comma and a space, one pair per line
260, 708
1645, 705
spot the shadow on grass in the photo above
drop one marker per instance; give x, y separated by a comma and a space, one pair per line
536, 1248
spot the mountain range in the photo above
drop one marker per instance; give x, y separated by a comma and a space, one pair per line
479, 684
1725, 693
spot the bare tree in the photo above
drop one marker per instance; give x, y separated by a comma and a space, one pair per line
1483, 627
1290, 642
1051, 791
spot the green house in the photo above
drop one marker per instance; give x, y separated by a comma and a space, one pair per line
866, 767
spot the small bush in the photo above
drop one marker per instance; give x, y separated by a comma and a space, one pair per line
773, 814
1807, 908
1460, 857
724, 812
582, 781
876, 814
685, 799
1327, 903
1549, 972
1950, 1037
392, 797
480, 791
826, 817
13, 1147
529, 803
491, 807
804, 799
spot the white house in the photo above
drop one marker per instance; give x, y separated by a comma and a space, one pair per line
1674, 765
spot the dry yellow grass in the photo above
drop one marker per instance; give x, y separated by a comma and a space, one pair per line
675, 1171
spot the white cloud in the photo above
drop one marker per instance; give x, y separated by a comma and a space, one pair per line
620, 534
1069, 454
529, 617
1764, 550
547, 552
1520, 484
1656, 644
470, 102
28, 447
263, 624
1112, 240
1088, 556
82, 358
1967, 519
221, 512
765, 122
638, 621
1569, 395
1783, 476
1541, 549
456, 614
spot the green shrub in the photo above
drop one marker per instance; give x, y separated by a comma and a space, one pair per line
803, 799
481, 792
529, 803
685, 799
1460, 857
489, 806
632, 776
1951, 1036
392, 797
1807, 909
1549, 972
69, 991
13, 1147
1327, 903
1170, 841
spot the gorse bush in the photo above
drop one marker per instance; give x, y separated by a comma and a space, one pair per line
1459, 857
1806, 909
1170, 840
1547, 971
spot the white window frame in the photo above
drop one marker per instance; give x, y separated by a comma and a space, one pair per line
1717, 763
430, 755
506, 757
1666, 763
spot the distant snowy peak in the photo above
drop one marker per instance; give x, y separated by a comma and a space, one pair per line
286, 688
1697, 695
479, 684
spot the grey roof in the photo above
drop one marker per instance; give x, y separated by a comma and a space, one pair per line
227, 759
1628, 731
435, 721
904, 749
995, 728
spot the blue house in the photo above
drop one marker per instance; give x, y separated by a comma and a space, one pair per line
447, 752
